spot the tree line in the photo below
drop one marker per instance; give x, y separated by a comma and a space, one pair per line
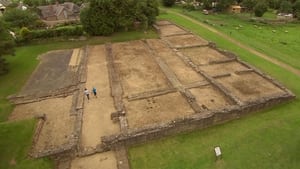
259, 7
100, 17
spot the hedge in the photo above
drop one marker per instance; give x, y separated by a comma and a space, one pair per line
66, 31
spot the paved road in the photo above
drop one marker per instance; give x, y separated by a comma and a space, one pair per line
253, 51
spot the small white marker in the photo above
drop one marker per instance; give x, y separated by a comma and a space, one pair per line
218, 152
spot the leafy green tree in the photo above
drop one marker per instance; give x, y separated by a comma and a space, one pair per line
6, 47
99, 18
296, 9
18, 18
223, 5
274, 4
260, 8
286, 7
249, 4
104, 17
168, 3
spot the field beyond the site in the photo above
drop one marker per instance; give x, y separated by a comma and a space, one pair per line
267, 139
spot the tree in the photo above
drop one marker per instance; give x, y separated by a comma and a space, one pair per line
18, 18
249, 4
260, 8
168, 3
223, 5
6, 47
104, 17
97, 19
296, 9
274, 4
286, 7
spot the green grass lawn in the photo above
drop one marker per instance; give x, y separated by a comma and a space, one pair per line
278, 41
15, 142
263, 140
15, 138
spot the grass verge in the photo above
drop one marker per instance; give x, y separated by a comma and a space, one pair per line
16, 138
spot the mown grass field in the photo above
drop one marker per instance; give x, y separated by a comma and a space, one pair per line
263, 140
15, 137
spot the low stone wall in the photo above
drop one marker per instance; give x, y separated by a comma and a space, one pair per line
121, 157
190, 123
38, 129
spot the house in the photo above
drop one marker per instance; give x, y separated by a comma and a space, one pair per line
5, 3
285, 16
65, 11
235, 9
2, 9
22, 6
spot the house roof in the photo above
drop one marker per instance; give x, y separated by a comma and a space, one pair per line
57, 9
2, 6
5, 2
236, 6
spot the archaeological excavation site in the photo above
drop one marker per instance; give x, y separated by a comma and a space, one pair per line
147, 89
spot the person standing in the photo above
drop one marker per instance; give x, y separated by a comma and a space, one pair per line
94, 91
87, 93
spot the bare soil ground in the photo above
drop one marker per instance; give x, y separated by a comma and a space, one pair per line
250, 86
55, 132
96, 115
105, 160
138, 70
203, 55
210, 98
169, 30
157, 110
53, 73
184, 73
163, 22
222, 68
189, 40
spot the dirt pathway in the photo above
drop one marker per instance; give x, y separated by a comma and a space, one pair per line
251, 50
105, 160
96, 116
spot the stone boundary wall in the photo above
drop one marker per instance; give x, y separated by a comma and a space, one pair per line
116, 90
121, 157
190, 123
38, 129
24, 99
